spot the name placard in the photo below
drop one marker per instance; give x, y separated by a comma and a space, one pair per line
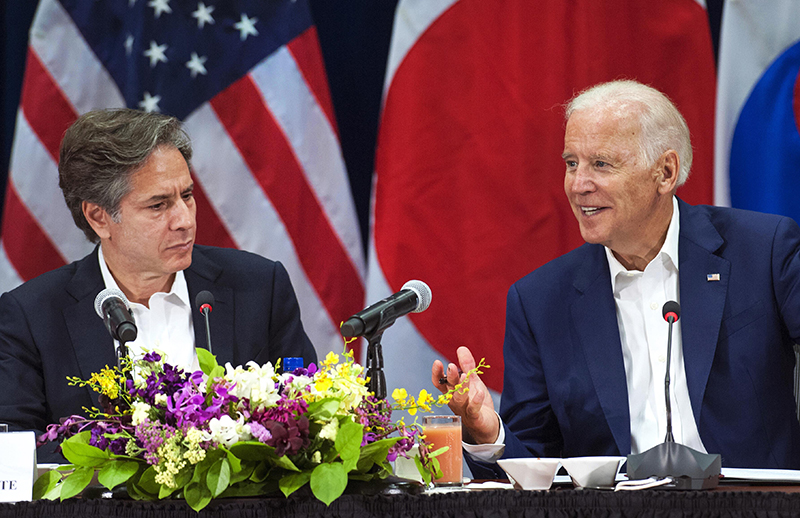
17, 466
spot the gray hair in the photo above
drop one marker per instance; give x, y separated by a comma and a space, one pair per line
102, 149
662, 125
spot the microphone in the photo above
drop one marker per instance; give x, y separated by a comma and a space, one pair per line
683, 467
414, 297
115, 310
671, 312
204, 302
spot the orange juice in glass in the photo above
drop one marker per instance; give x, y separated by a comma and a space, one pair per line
441, 431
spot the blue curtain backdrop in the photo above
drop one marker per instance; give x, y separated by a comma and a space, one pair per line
354, 36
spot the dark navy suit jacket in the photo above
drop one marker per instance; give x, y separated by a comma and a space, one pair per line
49, 329
565, 393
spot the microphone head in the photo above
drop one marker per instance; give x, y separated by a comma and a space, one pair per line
423, 293
671, 308
203, 298
106, 294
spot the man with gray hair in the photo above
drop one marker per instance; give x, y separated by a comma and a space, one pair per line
125, 176
585, 342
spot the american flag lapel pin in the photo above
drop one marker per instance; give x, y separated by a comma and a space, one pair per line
712, 277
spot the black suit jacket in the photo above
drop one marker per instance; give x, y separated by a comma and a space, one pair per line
49, 329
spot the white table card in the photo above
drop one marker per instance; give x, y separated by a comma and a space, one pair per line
17, 466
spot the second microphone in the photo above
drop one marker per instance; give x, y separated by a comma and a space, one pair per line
414, 297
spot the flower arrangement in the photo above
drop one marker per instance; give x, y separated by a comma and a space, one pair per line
233, 432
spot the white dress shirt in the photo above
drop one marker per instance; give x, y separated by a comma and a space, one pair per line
165, 326
639, 297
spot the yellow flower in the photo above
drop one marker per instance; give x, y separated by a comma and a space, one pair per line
323, 384
424, 400
331, 360
399, 394
105, 382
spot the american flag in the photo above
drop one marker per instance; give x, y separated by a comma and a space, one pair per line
247, 79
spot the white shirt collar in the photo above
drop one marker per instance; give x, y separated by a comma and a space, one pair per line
668, 252
179, 287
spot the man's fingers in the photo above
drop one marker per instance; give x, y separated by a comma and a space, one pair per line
437, 373
465, 359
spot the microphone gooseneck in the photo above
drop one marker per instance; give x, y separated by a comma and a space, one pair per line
205, 304
681, 466
671, 312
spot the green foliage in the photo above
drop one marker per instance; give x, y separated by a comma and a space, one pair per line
117, 471
76, 481
328, 482
78, 451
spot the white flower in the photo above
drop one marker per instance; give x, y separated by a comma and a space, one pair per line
295, 383
329, 430
254, 383
227, 432
161, 399
141, 411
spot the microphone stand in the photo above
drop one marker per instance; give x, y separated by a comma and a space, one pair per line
687, 467
377, 379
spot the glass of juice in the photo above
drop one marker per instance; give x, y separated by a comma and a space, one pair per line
441, 431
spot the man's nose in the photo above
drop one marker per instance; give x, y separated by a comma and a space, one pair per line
182, 215
582, 180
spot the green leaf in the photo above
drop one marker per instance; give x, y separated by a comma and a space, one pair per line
116, 472
293, 481
285, 463
328, 482
197, 495
207, 360
78, 451
323, 409
147, 482
261, 472
184, 476
375, 453
236, 463
426, 476
348, 443
244, 473
251, 489
252, 450
202, 467
219, 477
45, 484
165, 491
76, 482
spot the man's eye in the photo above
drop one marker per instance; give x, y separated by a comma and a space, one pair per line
600, 164
157, 206
571, 164
188, 195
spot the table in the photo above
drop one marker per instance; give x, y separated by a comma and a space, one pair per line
725, 501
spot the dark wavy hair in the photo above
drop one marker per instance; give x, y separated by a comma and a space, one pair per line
103, 148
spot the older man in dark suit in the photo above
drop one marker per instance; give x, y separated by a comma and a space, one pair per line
585, 341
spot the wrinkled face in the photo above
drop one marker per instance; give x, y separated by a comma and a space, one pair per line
613, 194
156, 229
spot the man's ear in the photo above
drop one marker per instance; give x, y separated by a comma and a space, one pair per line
98, 218
667, 170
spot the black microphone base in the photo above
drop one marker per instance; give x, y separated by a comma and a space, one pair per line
689, 468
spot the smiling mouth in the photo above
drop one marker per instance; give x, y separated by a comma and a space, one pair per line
590, 211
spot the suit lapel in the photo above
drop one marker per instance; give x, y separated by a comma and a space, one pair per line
595, 319
702, 301
203, 274
93, 346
